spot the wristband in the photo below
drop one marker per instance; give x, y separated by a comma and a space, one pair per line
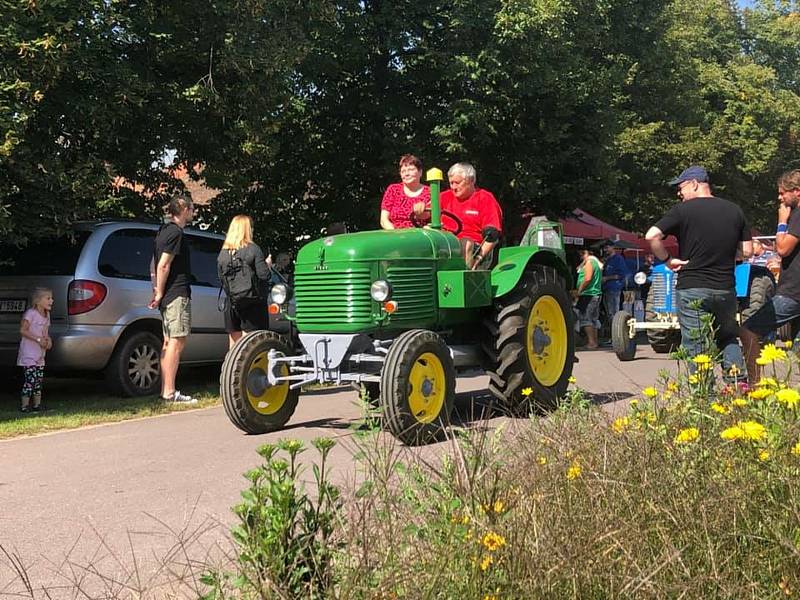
782, 228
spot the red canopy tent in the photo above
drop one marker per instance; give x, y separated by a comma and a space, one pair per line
581, 226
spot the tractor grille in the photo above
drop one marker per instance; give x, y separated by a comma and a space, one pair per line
663, 290
414, 290
333, 300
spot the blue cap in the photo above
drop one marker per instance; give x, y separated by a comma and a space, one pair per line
694, 172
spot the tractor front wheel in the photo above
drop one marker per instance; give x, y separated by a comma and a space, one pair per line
530, 343
418, 387
624, 345
250, 402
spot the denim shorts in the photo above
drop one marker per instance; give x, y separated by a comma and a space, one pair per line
176, 318
777, 311
588, 310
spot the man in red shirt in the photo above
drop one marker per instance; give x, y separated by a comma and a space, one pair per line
476, 209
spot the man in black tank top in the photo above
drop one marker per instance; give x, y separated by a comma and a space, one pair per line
710, 232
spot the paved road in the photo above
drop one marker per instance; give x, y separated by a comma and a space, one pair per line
97, 496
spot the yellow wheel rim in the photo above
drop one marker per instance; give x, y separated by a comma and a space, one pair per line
546, 340
271, 400
428, 388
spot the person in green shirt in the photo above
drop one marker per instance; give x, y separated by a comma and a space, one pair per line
589, 290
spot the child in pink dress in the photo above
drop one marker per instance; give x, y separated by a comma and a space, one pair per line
35, 341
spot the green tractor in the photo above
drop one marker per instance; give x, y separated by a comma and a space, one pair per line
399, 313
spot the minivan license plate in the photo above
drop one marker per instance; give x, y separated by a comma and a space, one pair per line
12, 306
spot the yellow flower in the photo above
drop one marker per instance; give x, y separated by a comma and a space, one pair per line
542, 460
747, 430
796, 449
649, 417
720, 408
486, 563
788, 344
689, 434
693, 379
574, 471
490, 597
760, 393
650, 392
493, 541
702, 359
762, 362
732, 433
767, 381
753, 430
672, 386
788, 396
619, 424
571, 379
634, 403
739, 402
498, 506
771, 353
763, 455
527, 391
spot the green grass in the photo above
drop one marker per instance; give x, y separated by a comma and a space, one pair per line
74, 403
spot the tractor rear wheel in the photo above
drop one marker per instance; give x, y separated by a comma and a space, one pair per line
662, 341
250, 402
762, 288
622, 342
418, 387
530, 343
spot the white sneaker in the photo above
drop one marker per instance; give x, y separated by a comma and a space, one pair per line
182, 398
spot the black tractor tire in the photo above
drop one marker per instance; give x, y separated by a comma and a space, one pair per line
662, 341
135, 365
762, 288
513, 352
416, 354
624, 346
249, 401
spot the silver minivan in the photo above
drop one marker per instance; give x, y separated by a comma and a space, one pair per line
100, 277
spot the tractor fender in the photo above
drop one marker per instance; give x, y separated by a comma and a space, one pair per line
742, 275
513, 262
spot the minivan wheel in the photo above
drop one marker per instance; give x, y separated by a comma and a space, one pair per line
134, 368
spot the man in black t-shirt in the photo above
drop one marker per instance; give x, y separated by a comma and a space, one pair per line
171, 275
710, 232
784, 306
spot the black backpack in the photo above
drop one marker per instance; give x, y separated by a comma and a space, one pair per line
238, 279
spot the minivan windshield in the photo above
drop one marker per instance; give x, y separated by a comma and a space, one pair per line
49, 256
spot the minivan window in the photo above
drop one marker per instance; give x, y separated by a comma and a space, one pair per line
126, 254
48, 256
204, 260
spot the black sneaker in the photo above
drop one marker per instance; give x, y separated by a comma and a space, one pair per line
25, 409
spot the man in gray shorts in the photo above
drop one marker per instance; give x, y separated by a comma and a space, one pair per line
171, 274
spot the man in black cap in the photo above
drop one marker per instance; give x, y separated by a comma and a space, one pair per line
710, 231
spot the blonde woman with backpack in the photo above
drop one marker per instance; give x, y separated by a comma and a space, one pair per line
245, 276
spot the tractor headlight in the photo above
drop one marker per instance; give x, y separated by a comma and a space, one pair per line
280, 293
640, 278
380, 290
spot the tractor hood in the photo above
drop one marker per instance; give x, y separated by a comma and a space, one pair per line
380, 245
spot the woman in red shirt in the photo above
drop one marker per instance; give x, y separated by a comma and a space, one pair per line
401, 199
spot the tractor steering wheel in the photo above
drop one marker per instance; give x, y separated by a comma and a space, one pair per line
455, 218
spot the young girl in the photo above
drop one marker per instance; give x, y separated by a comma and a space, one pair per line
35, 341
